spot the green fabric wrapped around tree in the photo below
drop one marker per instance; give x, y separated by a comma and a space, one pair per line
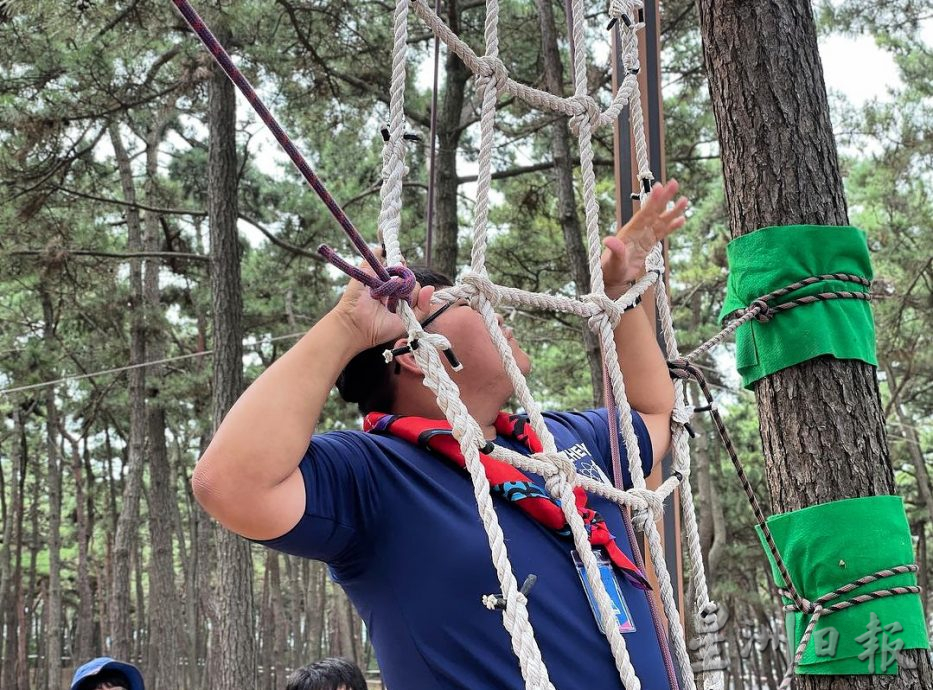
772, 258
833, 544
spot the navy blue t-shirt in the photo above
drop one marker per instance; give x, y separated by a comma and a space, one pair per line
401, 532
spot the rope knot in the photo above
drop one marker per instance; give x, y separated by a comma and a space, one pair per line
400, 285
602, 308
481, 285
389, 283
491, 72
764, 314
584, 107
682, 413
654, 263
653, 509
558, 468
806, 606
680, 369
707, 618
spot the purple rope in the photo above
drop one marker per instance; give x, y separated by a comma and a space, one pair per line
393, 283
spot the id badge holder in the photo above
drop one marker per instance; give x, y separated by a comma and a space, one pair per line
608, 576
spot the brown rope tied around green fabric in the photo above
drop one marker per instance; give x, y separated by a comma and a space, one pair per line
818, 609
763, 311
683, 368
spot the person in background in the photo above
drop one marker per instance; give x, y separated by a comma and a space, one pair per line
327, 674
104, 673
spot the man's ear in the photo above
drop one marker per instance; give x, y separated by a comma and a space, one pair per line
407, 361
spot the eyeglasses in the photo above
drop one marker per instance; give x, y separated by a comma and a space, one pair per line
431, 317
405, 349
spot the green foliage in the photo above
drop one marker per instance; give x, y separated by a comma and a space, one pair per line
72, 75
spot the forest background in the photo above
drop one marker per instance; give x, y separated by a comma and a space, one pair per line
105, 260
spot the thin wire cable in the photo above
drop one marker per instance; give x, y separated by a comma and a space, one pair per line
140, 365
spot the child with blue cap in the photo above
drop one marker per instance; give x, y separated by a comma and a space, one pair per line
105, 673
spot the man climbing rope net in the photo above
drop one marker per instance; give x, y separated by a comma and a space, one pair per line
393, 513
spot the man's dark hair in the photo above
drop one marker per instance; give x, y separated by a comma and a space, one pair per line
327, 674
107, 679
367, 379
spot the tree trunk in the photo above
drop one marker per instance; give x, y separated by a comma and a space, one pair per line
84, 624
13, 672
164, 613
233, 651
342, 642
821, 424
566, 199
54, 483
713, 528
317, 585
449, 130
735, 657
914, 449
29, 642
280, 630
127, 522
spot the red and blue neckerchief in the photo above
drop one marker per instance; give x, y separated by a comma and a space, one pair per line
507, 481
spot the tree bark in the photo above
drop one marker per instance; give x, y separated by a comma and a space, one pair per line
449, 130
162, 650
54, 484
128, 517
822, 428
13, 672
914, 449
84, 624
566, 198
233, 651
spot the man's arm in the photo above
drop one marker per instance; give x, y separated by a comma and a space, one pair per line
647, 382
248, 478
644, 368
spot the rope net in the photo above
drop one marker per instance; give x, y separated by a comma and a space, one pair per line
601, 313
394, 284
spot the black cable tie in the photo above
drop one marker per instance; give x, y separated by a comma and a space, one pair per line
488, 448
627, 20
641, 16
525, 589
690, 430
646, 184
612, 23
635, 196
407, 136
634, 70
403, 350
452, 358
680, 477
633, 304
704, 408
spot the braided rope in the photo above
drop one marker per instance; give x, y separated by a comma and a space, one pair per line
818, 609
394, 284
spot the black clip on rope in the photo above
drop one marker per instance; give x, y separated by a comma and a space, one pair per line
625, 20
526, 588
407, 136
645, 181
414, 344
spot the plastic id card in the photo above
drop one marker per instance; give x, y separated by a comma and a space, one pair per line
608, 576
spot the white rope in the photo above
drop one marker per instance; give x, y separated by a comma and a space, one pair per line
601, 313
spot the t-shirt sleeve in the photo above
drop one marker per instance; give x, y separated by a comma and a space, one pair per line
595, 424
340, 499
